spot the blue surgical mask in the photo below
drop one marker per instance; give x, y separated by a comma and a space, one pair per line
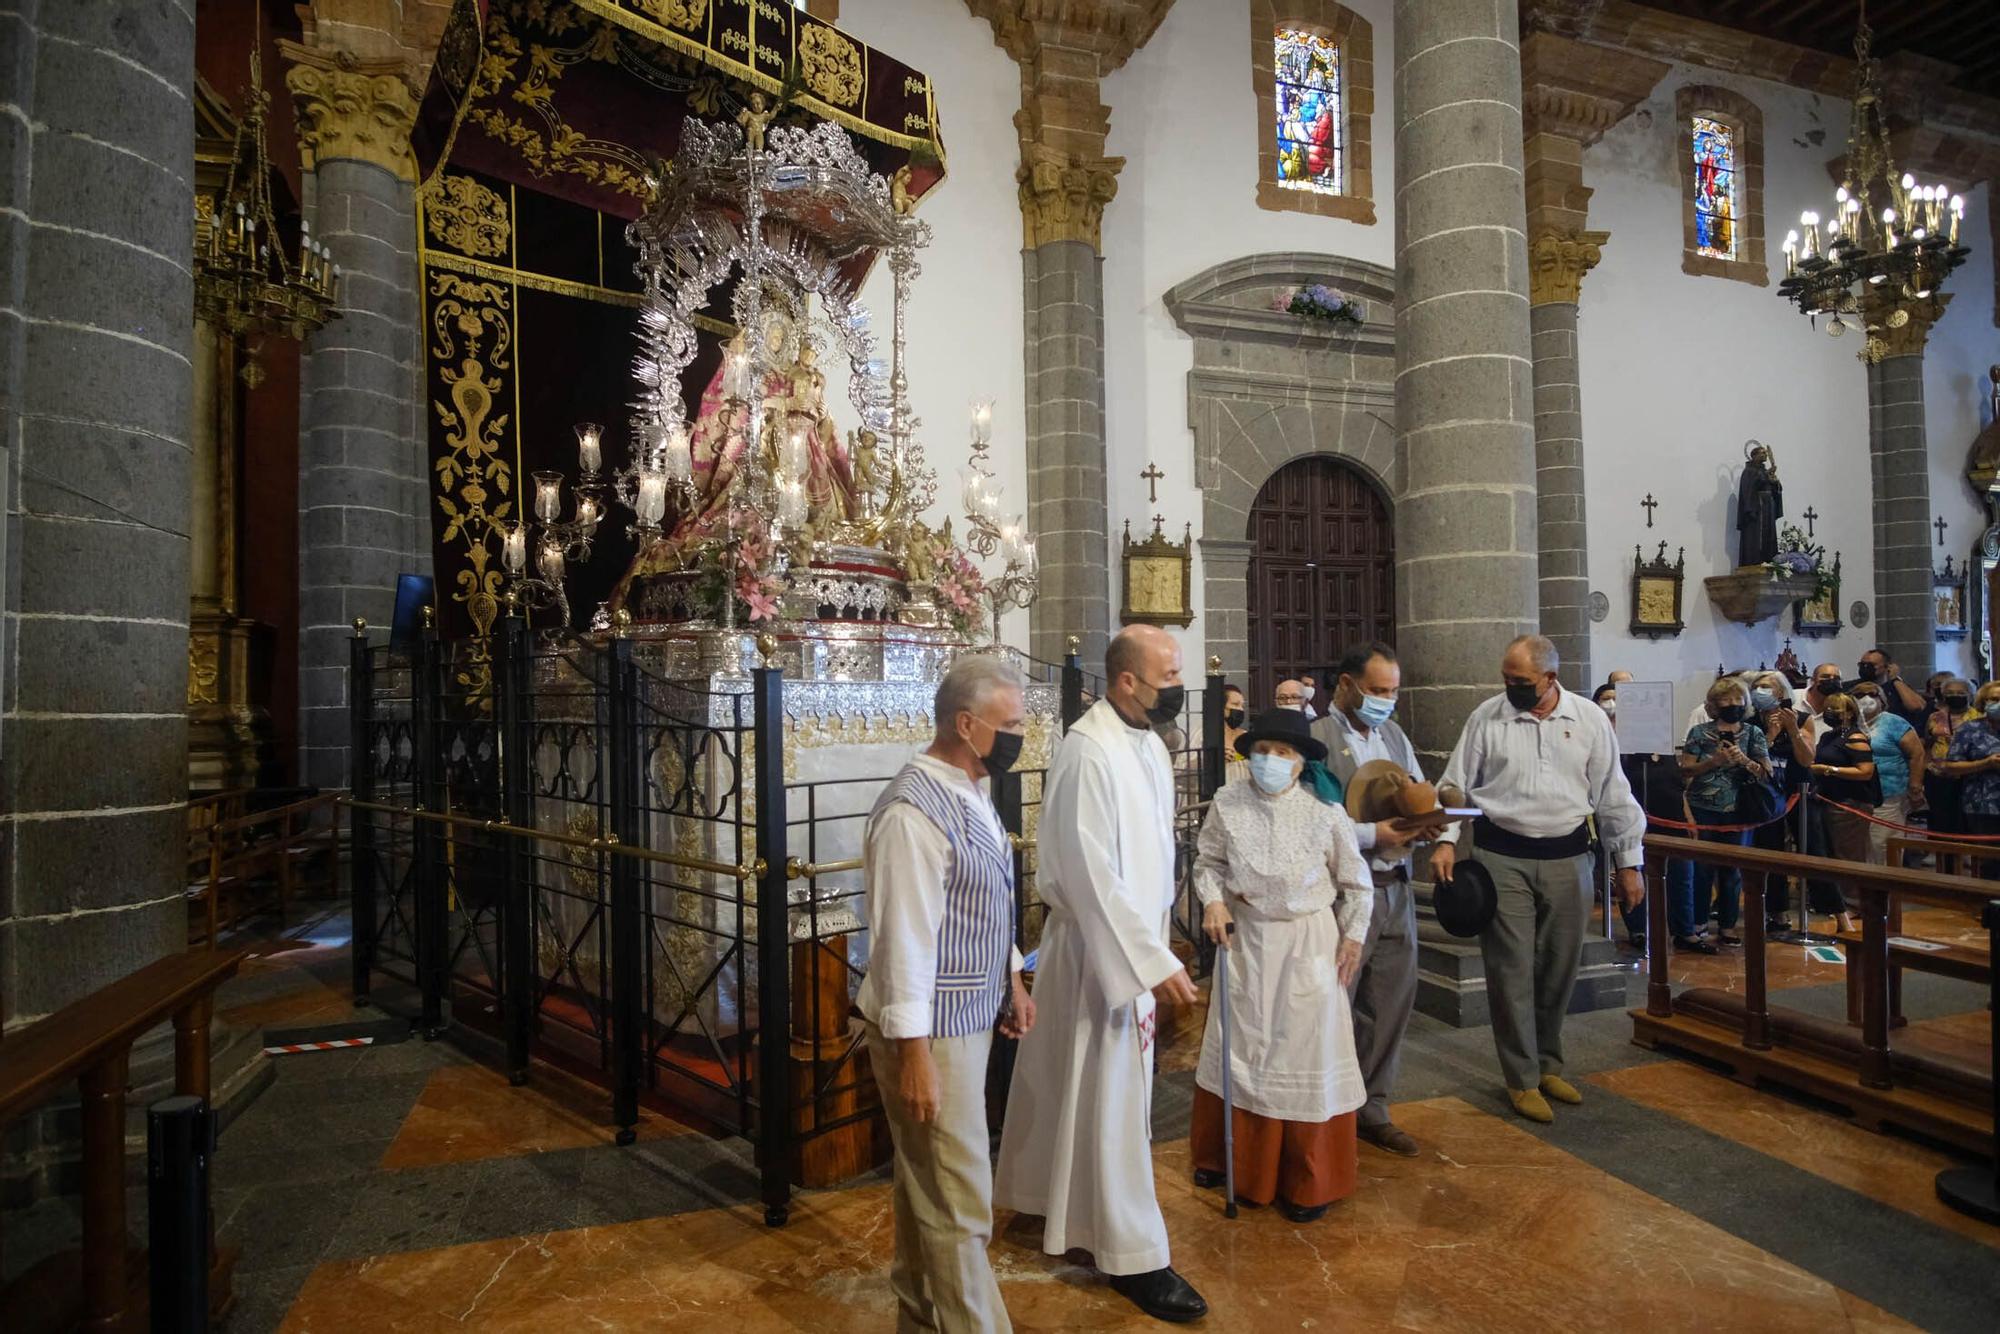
1273, 773
1763, 701
1375, 710
1993, 713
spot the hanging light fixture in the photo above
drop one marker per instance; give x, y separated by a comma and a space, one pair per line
1889, 239
244, 283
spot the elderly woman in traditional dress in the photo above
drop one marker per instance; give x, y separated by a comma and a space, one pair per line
1272, 858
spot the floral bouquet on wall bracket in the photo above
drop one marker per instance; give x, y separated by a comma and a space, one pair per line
1320, 304
1799, 557
961, 589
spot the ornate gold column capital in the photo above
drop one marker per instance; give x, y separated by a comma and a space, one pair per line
1063, 199
1557, 261
1901, 327
361, 110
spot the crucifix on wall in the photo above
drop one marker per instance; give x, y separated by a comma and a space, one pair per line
1940, 525
1152, 477
1811, 516
1649, 505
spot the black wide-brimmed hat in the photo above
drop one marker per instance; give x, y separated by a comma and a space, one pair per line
1286, 725
1465, 904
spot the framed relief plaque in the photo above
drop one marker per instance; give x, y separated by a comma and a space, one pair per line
1948, 592
1159, 578
1656, 593
1815, 618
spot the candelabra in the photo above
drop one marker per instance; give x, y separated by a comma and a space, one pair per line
1019, 580
1889, 240
243, 281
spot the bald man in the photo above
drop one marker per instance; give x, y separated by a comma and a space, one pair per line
1076, 1148
1289, 695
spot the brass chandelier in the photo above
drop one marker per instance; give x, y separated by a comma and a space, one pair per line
244, 284
1889, 241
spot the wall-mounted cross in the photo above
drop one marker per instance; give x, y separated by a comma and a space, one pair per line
1649, 505
1152, 477
1811, 516
1940, 525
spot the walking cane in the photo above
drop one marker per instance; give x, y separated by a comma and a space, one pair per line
1228, 1097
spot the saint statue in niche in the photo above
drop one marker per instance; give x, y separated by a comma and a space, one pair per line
1760, 501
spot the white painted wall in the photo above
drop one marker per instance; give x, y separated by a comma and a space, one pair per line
965, 317
1677, 371
1958, 397
1184, 116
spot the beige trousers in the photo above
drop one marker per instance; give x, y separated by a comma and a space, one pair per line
944, 1193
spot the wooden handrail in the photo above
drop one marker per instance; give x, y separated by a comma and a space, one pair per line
1958, 890
90, 1041
42, 1057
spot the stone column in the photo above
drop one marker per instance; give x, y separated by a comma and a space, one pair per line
96, 333
1065, 182
1465, 516
1571, 94
362, 472
1899, 459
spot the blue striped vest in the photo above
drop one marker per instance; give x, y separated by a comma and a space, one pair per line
976, 937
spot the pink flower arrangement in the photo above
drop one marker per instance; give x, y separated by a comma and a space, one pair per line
962, 589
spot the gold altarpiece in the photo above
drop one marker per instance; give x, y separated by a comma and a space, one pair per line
230, 739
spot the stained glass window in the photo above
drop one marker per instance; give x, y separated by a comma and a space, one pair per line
1715, 202
1308, 112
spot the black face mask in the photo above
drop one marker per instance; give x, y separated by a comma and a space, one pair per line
1233, 718
1166, 705
1827, 685
1730, 713
1006, 750
1524, 696
1868, 671
1958, 703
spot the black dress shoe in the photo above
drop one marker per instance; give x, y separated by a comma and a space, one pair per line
1299, 1213
1694, 945
1162, 1294
1208, 1180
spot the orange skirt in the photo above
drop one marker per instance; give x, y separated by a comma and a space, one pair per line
1303, 1163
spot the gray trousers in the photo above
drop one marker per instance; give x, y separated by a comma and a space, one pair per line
943, 1197
1532, 951
1386, 993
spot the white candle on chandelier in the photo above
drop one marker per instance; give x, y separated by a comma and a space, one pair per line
1791, 253
1809, 225
677, 455
589, 452
548, 496
549, 560
1889, 226
982, 421
586, 513
651, 502
1957, 212
514, 549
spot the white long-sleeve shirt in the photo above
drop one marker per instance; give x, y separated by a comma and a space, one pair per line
903, 875
1542, 777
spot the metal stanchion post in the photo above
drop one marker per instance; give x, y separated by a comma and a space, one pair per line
1976, 1190
178, 1141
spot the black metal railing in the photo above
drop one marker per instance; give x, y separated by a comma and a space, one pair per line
610, 871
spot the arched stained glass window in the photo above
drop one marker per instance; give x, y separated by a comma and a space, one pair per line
1307, 93
1716, 202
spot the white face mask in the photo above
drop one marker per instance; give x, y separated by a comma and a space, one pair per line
1273, 773
1306, 692
1870, 706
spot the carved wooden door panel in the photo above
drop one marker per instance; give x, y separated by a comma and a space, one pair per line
1322, 571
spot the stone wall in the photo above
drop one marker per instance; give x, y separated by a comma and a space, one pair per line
96, 332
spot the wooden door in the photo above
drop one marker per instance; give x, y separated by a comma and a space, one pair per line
1322, 574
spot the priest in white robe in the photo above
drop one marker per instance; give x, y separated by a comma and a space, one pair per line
1077, 1145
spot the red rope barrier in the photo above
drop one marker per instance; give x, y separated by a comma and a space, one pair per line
1872, 818
1663, 821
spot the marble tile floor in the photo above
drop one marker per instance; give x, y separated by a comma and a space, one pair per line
405, 1186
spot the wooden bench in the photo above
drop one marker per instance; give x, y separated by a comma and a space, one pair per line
241, 852
90, 1042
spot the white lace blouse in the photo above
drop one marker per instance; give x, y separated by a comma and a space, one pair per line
1287, 856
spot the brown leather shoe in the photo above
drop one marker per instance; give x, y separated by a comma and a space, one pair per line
1390, 1138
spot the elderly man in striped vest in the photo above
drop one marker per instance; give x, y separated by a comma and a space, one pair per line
942, 973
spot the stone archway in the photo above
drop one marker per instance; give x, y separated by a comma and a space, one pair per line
1267, 388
